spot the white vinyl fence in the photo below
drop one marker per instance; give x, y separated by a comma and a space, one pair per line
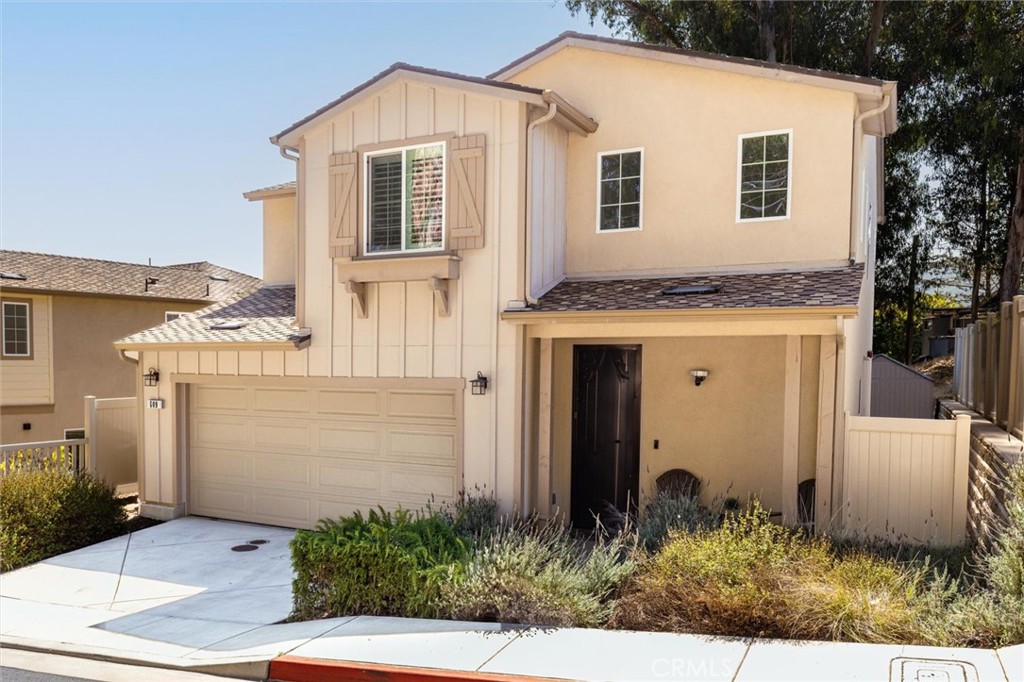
905, 480
111, 432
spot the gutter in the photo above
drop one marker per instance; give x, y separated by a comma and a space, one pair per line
533, 317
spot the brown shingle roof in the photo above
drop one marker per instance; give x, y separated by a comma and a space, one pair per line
45, 272
264, 316
808, 289
273, 190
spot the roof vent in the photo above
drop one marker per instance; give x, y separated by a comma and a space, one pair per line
226, 326
218, 278
692, 289
13, 275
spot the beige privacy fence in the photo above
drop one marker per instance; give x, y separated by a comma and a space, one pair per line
987, 374
905, 480
111, 433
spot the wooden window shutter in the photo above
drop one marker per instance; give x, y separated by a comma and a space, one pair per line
343, 204
466, 192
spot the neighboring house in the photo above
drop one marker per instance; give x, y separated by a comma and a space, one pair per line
586, 229
60, 317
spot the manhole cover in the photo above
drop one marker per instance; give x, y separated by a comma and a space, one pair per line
931, 670
258, 542
244, 548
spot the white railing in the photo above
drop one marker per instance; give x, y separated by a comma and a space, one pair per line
66, 455
905, 480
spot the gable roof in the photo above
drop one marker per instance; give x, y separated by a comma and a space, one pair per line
402, 70
263, 317
49, 273
834, 288
869, 90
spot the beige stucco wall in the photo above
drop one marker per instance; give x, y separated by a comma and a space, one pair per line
85, 361
279, 240
687, 120
728, 431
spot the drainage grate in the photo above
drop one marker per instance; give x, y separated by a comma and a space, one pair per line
931, 670
244, 548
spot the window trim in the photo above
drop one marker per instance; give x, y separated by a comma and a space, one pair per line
364, 171
739, 175
597, 198
27, 302
176, 313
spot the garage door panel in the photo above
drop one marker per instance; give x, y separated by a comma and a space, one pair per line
287, 436
224, 465
220, 398
349, 478
290, 456
218, 430
421, 404
365, 440
417, 445
366, 403
413, 486
271, 470
281, 400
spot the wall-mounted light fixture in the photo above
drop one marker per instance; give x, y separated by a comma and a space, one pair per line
151, 377
479, 385
699, 375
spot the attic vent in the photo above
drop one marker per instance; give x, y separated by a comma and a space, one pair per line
13, 275
218, 278
692, 289
226, 326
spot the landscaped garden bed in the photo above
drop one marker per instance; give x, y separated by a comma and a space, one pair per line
683, 568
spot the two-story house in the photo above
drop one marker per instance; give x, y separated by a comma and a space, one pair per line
601, 263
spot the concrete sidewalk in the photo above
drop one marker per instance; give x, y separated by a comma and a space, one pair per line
181, 595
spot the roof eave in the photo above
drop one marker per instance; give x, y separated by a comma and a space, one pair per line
260, 195
801, 312
96, 294
296, 344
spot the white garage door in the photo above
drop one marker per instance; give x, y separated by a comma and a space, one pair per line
290, 456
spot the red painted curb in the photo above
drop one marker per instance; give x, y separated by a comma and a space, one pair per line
299, 669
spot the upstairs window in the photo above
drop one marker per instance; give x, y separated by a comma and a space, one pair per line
764, 178
405, 191
17, 334
620, 190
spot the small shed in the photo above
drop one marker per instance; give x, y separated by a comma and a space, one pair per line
900, 391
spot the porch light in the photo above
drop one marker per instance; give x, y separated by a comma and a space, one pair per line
699, 375
151, 377
479, 385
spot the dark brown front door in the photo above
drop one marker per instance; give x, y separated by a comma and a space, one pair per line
605, 430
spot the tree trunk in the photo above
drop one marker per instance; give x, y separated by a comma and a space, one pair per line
766, 28
1014, 240
875, 29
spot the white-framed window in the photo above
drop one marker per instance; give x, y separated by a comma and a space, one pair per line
620, 190
764, 174
17, 329
405, 200
172, 315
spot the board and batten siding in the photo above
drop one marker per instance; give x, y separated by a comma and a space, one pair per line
547, 206
29, 381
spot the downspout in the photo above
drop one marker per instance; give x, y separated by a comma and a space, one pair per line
127, 358
293, 154
856, 205
552, 112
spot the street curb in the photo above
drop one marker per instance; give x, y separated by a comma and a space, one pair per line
301, 669
238, 668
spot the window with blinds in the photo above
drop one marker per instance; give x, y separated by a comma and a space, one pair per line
405, 199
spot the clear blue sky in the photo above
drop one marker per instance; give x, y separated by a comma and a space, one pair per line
130, 130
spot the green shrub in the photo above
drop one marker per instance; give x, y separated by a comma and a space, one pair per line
387, 564
668, 512
473, 515
541, 575
45, 513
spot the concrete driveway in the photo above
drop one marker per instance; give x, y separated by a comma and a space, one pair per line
169, 592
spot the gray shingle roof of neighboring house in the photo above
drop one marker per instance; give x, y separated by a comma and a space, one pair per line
49, 273
838, 287
265, 316
280, 189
